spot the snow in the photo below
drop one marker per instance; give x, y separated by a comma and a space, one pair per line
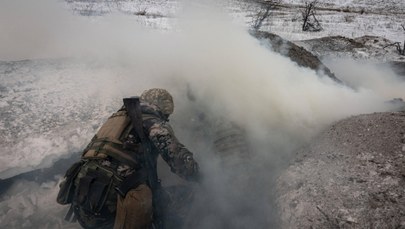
29, 205
381, 18
359, 161
50, 108
157, 14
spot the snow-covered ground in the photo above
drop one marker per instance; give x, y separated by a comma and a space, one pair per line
49, 109
52, 103
344, 18
350, 19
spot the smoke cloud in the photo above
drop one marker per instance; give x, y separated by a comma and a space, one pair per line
215, 71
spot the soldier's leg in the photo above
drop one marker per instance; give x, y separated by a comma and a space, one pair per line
135, 210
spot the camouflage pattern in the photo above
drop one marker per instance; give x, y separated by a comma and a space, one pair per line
124, 140
164, 142
160, 98
177, 156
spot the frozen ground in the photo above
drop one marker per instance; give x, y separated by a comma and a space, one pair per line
351, 176
338, 18
50, 108
364, 21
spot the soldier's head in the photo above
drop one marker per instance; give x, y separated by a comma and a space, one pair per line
160, 98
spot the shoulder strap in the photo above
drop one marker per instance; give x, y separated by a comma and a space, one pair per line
146, 173
135, 114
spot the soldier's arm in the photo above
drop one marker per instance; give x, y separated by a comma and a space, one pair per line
177, 156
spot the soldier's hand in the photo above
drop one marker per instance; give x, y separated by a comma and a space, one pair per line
190, 164
193, 170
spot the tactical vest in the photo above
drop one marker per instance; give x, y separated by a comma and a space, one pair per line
89, 186
109, 141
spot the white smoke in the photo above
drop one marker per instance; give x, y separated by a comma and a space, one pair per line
366, 76
231, 76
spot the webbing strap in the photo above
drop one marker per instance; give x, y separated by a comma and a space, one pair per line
115, 151
69, 215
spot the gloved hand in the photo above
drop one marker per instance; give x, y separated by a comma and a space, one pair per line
193, 170
190, 164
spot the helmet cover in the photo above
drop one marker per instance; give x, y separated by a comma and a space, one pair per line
160, 98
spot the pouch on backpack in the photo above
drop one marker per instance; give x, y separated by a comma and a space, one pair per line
94, 188
67, 187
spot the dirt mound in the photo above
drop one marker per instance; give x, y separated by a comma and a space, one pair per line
335, 44
352, 176
296, 53
368, 48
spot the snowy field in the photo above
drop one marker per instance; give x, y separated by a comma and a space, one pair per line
344, 18
65, 65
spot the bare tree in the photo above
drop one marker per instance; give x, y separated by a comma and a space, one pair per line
267, 6
401, 51
309, 20
397, 45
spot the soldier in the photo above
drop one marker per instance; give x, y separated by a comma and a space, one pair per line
110, 186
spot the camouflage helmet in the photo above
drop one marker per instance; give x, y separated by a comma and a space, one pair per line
160, 98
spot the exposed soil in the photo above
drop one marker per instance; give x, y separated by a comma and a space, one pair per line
351, 176
296, 53
372, 49
334, 44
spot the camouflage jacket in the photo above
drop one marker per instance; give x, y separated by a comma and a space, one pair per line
164, 143
162, 137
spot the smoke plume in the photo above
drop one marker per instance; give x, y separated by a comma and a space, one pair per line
215, 71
